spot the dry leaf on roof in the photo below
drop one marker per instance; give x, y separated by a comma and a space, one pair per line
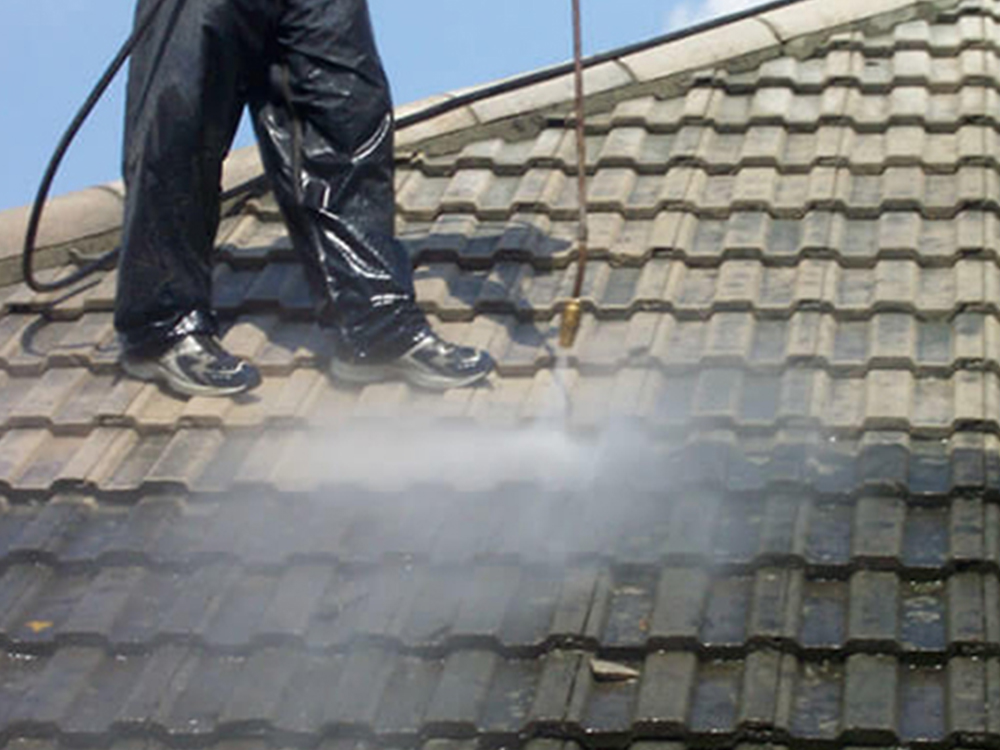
610, 671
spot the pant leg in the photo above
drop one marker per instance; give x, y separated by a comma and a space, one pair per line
188, 81
326, 135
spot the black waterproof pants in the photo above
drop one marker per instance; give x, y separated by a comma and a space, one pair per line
312, 78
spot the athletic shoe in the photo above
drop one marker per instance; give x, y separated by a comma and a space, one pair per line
433, 364
196, 365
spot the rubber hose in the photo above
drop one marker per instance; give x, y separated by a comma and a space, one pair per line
34, 219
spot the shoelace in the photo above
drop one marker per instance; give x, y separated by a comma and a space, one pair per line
212, 346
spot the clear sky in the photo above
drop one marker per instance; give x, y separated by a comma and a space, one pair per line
51, 51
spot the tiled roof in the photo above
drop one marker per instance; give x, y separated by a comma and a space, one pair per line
754, 506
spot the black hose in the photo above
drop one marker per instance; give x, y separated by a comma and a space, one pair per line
27, 260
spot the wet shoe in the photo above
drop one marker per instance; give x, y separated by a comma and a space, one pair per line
196, 365
433, 364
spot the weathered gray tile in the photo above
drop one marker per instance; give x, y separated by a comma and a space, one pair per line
870, 697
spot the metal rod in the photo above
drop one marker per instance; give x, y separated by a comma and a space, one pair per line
581, 149
571, 311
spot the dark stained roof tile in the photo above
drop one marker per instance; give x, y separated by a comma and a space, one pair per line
22, 585
294, 602
44, 704
664, 699
197, 694
874, 599
96, 706
253, 703
767, 691
50, 529
680, 600
240, 608
145, 610
104, 603
968, 618
363, 683
970, 711
407, 695
398, 695
817, 707
188, 616
153, 678
457, 701
871, 685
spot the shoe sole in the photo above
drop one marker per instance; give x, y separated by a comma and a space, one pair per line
153, 372
371, 374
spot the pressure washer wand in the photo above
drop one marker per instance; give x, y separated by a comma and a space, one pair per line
571, 310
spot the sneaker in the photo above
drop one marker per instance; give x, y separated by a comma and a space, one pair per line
196, 365
433, 364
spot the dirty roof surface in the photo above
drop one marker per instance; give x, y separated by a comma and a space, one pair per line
753, 504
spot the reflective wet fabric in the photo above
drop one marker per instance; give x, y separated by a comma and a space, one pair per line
315, 87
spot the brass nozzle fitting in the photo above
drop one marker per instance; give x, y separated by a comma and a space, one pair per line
570, 323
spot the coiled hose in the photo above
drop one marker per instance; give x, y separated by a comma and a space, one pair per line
35, 218
142, 26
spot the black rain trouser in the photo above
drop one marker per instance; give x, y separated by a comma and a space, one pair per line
312, 78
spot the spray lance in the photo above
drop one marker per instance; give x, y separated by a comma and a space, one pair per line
572, 309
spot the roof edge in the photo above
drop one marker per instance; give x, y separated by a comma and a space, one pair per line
442, 103
745, 39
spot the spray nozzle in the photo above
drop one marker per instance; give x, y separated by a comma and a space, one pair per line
572, 310
570, 323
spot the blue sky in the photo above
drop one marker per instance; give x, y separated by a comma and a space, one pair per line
52, 50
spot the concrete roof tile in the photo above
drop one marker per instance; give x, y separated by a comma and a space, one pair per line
597, 79
746, 38
457, 119
870, 706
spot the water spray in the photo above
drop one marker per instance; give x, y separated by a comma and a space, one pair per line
572, 310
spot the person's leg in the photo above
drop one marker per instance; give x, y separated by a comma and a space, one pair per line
187, 84
325, 132
326, 135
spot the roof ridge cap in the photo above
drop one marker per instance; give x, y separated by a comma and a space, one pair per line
785, 25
